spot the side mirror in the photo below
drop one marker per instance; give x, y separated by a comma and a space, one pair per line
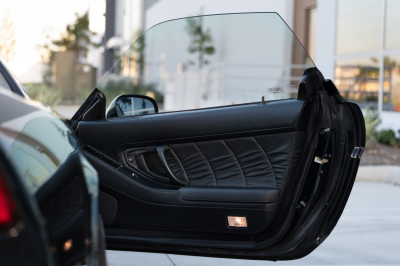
131, 104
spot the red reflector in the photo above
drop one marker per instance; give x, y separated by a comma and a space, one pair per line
7, 206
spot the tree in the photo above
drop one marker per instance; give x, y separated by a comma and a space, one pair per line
76, 37
133, 58
201, 40
7, 39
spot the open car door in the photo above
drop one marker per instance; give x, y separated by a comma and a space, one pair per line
253, 154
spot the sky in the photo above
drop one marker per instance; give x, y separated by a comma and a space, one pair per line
32, 18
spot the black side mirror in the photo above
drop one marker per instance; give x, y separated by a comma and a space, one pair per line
131, 104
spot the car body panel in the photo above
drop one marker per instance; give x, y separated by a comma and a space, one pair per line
46, 157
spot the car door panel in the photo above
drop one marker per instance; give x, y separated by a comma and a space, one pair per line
194, 125
170, 180
238, 168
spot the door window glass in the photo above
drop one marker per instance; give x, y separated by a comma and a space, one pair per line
208, 61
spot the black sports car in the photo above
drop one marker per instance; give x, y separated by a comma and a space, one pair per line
252, 154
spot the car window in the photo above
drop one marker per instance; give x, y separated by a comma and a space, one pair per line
208, 61
3, 83
40, 149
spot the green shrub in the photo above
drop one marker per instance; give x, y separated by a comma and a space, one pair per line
388, 137
47, 95
371, 119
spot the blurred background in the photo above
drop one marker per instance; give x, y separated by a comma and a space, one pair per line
59, 50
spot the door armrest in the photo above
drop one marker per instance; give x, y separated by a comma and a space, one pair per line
230, 194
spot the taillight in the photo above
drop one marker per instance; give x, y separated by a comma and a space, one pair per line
8, 212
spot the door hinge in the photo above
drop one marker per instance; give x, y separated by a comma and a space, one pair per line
357, 152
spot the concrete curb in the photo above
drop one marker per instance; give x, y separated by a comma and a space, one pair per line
379, 173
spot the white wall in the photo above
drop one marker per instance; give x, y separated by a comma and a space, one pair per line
325, 39
172, 9
390, 120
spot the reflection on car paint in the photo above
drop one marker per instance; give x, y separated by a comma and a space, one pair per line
39, 149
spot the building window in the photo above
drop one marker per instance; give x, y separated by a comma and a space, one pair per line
358, 26
370, 28
391, 85
358, 81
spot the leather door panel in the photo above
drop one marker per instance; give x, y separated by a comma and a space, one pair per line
260, 161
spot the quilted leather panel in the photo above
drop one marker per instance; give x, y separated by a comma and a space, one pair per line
261, 161
282, 148
225, 166
175, 165
277, 147
254, 162
196, 166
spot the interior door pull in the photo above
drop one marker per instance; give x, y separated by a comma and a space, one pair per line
161, 150
140, 162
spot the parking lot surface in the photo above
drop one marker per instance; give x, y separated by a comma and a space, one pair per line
368, 233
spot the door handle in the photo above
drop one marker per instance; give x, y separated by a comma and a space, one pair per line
161, 150
140, 162
137, 160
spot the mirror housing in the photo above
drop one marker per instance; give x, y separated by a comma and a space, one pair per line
130, 105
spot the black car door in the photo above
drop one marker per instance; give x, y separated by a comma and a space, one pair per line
261, 180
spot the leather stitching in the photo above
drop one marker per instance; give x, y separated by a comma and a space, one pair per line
215, 178
266, 156
234, 156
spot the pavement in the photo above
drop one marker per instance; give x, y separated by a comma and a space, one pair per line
368, 233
